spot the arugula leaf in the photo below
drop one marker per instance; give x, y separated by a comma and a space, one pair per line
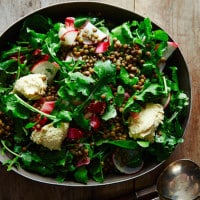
80, 20
13, 107
96, 168
106, 73
123, 33
6, 144
38, 23
173, 83
52, 44
28, 158
150, 91
21, 132
34, 38
124, 77
106, 91
9, 66
148, 68
14, 50
109, 113
129, 144
143, 144
119, 98
79, 83
11, 163
105, 69
81, 175
15, 99
80, 118
160, 35
146, 26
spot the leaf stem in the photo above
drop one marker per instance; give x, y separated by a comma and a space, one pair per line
21, 101
173, 117
9, 150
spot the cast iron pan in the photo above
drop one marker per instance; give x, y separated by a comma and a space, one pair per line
58, 12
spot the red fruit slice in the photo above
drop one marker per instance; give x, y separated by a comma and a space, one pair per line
48, 107
37, 52
127, 161
69, 23
21, 59
74, 133
126, 95
95, 122
83, 161
135, 115
97, 107
102, 47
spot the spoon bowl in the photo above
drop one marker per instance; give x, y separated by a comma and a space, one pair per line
179, 181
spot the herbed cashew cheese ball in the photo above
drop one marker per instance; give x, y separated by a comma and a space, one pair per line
145, 125
50, 137
32, 86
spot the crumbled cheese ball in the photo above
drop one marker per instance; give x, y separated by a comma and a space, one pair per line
32, 86
145, 125
50, 137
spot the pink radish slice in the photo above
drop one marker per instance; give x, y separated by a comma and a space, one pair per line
69, 37
69, 23
47, 68
61, 32
84, 161
127, 161
74, 134
37, 52
48, 107
102, 47
91, 31
68, 33
171, 47
70, 56
165, 101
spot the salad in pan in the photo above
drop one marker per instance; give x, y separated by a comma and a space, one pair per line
84, 98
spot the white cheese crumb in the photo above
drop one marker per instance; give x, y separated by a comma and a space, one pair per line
50, 137
32, 86
145, 125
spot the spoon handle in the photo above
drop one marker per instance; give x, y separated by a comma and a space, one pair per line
147, 193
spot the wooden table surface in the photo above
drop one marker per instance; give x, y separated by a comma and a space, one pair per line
181, 19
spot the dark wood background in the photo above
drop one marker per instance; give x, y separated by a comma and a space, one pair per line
181, 19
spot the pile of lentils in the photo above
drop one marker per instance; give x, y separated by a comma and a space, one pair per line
122, 55
127, 56
6, 126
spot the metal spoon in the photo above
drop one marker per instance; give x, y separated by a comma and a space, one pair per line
180, 180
